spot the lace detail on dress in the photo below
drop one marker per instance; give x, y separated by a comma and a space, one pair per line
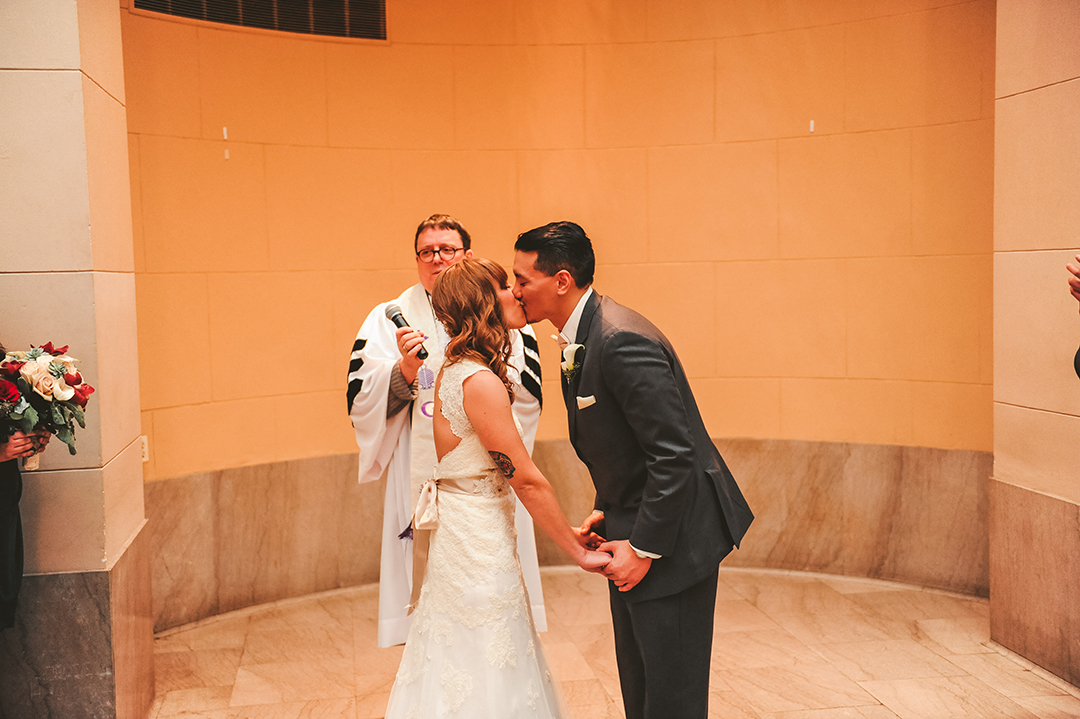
452, 394
501, 652
457, 686
533, 695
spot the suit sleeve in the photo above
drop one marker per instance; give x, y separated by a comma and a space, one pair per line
638, 371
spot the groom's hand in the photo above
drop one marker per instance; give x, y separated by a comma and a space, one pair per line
586, 533
626, 568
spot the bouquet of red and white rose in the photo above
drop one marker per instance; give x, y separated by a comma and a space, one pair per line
41, 389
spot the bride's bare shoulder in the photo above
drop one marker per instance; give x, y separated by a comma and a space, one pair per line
484, 388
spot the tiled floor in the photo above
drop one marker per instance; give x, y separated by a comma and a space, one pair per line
786, 646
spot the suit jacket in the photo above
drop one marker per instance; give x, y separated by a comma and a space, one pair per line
659, 479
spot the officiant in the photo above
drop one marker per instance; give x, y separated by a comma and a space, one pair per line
391, 395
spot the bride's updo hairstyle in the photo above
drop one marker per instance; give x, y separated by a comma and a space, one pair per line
465, 301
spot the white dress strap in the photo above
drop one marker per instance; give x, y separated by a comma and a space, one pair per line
452, 395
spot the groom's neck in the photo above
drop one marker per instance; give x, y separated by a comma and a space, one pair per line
568, 303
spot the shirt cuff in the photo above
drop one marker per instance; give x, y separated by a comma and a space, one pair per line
644, 555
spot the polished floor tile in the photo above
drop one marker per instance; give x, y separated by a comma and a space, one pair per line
786, 645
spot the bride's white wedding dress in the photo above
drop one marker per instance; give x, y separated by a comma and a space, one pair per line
472, 651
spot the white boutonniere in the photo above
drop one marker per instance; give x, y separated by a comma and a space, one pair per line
572, 356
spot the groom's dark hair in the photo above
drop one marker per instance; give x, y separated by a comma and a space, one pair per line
560, 246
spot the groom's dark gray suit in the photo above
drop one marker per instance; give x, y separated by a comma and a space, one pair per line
661, 484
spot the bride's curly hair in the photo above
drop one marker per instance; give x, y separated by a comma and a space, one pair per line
466, 302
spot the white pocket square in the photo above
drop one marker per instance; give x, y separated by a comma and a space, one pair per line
583, 402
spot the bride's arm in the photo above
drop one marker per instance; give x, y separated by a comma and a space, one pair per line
488, 408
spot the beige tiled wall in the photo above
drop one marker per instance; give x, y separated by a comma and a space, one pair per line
830, 285
1034, 497
1036, 215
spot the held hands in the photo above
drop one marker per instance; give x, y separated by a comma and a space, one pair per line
594, 561
586, 533
409, 342
626, 568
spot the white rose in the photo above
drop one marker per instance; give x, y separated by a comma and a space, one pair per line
31, 371
45, 385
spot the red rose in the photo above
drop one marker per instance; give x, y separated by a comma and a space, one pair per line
73, 380
82, 394
9, 392
11, 369
55, 352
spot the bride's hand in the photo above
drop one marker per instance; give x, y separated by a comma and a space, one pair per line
594, 561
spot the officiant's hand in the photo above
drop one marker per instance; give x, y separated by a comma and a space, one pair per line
586, 533
626, 568
409, 342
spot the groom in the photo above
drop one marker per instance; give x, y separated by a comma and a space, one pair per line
665, 500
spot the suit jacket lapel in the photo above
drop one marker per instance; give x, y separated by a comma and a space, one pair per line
571, 388
587, 313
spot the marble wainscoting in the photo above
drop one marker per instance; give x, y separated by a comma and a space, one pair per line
239, 537
1035, 577
910, 514
82, 645
250, 535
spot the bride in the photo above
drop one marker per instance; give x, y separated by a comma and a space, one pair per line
473, 651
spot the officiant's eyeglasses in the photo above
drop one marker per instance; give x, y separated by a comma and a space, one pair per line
446, 253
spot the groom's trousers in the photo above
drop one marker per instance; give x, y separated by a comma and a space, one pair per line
664, 649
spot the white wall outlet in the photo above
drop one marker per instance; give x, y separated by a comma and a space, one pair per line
145, 447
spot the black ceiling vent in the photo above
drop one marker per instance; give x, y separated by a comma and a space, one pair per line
340, 18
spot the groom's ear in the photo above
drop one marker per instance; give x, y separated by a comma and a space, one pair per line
564, 282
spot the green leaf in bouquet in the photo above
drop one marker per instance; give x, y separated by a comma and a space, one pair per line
65, 435
29, 419
80, 417
56, 416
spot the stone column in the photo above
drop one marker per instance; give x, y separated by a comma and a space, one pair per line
82, 646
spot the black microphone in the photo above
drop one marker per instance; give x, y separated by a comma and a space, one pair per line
393, 313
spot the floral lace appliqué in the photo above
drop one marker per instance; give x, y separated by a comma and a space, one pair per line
501, 652
457, 686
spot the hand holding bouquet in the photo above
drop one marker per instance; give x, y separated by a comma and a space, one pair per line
42, 390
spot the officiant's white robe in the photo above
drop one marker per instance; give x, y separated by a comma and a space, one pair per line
404, 446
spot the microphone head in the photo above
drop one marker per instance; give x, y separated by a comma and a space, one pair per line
391, 311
